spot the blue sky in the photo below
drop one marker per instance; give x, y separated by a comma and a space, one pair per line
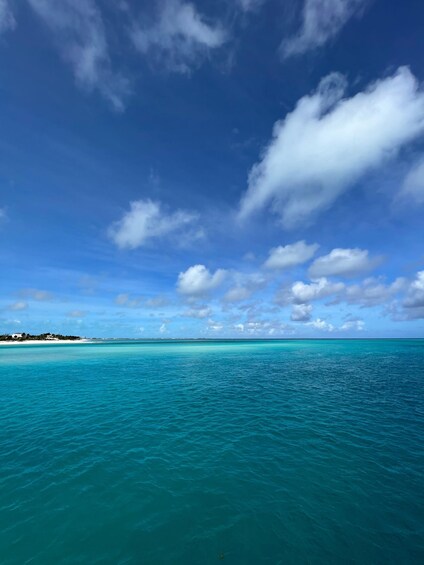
236, 168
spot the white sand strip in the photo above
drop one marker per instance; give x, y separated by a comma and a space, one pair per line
45, 341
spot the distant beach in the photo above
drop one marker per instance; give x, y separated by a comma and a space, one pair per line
45, 341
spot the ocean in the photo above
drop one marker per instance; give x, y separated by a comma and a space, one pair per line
279, 452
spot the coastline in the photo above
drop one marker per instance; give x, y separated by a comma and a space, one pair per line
45, 341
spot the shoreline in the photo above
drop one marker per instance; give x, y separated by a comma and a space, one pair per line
45, 341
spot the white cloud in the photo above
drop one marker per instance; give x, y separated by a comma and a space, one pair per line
413, 303
368, 293
258, 327
262, 327
328, 142
163, 328
413, 185
7, 19
200, 313
415, 294
20, 305
79, 31
342, 263
215, 326
322, 325
302, 293
301, 312
322, 20
180, 37
356, 325
197, 280
147, 220
284, 257
373, 292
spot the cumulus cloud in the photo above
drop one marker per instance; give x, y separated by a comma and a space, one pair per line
214, 326
7, 19
301, 312
373, 292
413, 302
415, 294
322, 325
198, 280
322, 20
146, 220
302, 293
356, 325
413, 185
284, 257
368, 293
201, 313
180, 37
261, 327
342, 263
79, 32
327, 143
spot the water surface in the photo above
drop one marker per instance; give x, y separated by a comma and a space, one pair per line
200, 452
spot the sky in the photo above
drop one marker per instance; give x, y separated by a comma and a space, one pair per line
206, 169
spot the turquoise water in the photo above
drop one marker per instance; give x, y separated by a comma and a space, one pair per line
252, 452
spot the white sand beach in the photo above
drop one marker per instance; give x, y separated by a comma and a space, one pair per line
45, 341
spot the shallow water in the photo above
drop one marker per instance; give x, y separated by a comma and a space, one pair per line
200, 452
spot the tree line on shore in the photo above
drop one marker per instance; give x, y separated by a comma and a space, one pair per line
30, 337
